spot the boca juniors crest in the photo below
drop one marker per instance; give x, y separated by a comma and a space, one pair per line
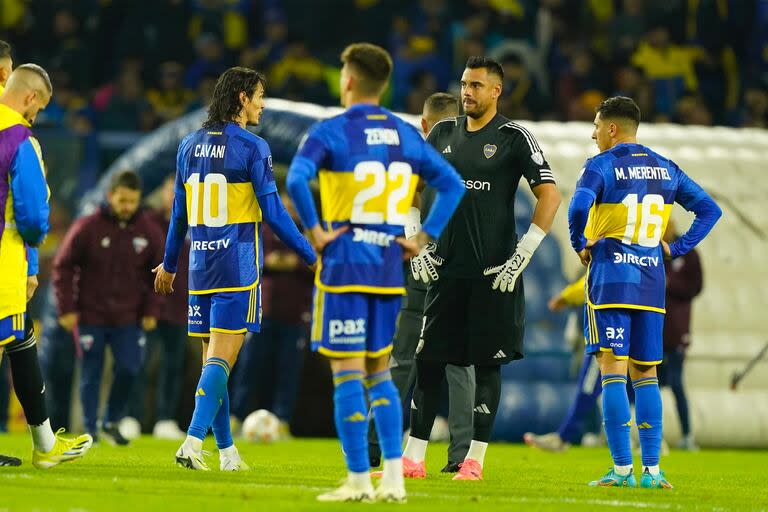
489, 150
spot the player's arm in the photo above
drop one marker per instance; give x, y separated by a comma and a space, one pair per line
540, 178
165, 273
571, 295
30, 193
694, 199
33, 267
70, 258
589, 186
312, 153
272, 207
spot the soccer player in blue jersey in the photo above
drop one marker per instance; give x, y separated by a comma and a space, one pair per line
224, 188
368, 163
617, 217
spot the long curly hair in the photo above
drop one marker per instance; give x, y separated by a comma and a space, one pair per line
225, 105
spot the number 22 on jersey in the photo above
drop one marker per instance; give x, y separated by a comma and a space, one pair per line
381, 201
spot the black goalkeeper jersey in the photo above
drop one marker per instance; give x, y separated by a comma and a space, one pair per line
491, 162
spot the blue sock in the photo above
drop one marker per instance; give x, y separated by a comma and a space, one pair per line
220, 426
387, 413
350, 413
649, 415
209, 396
617, 418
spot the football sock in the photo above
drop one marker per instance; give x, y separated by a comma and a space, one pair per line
229, 452
617, 419
388, 416
27, 378
220, 425
350, 415
588, 390
477, 451
209, 396
487, 396
42, 436
426, 397
648, 412
416, 449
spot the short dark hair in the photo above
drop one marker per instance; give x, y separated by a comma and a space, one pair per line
39, 71
489, 64
372, 64
5, 50
619, 107
225, 104
442, 104
126, 179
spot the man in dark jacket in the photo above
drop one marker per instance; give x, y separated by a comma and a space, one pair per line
103, 288
684, 283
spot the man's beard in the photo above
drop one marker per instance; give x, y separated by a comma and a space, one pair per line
477, 112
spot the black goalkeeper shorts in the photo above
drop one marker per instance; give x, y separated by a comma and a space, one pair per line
469, 323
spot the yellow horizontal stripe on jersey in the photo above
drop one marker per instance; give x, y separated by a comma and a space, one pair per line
339, 354
220, 290
199, 334
229, 331
242, 205
608, 220
628, 306
339, 190
646, 363
353, 288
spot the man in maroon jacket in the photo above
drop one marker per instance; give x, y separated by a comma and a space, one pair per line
103, 287
684, 283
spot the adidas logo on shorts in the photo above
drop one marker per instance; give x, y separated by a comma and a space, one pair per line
500, 355
482, 409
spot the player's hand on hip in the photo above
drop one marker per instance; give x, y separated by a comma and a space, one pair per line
425, 264
585, 255
148, 323
320, 238
68, 321
163, 280
31, 286
665, 247
507, 273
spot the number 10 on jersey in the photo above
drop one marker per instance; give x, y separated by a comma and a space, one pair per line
214, 205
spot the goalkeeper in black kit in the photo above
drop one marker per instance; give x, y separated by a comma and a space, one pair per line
474, 310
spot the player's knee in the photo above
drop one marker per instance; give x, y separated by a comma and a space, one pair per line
377, 364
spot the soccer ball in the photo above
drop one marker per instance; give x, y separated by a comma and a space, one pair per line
261, 427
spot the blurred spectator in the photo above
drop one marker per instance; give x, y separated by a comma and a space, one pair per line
105, 296
224, 19
170, 99
204, 93
684, 283
670, 67
581, 85
68, 49
630, 82
627, 29
754, 114
691, 110
423, 85
270, 361
210, 60
126, 108
521, 97
298, 75
271, 47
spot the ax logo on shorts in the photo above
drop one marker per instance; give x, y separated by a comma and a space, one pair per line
614, 334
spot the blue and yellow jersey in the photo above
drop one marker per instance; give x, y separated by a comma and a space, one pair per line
368, 163
220, 176
633, 190
23, 207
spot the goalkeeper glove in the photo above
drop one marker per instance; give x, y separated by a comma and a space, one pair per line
507, 274
424, 265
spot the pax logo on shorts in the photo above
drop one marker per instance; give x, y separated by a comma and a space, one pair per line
341, 331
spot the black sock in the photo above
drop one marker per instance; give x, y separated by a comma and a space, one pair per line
487, 396
426, 397
27, 377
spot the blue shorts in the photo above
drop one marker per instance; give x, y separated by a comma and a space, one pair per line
631, 334
12, 328
354, 324
226, 312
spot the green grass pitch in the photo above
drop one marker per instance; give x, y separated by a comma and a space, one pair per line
288, 475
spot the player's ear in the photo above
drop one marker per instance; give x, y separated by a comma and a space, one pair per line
424, 126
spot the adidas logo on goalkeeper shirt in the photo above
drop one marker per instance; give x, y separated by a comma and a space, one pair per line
500, 355
447, 149
482, 409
